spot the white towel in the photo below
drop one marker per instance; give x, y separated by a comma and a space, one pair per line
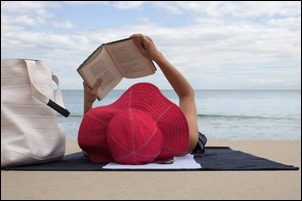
181, 162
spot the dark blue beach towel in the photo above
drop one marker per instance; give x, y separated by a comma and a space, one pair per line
214, 159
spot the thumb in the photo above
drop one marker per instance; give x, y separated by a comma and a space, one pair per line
96, 86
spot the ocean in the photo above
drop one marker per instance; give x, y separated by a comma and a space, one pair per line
222, 114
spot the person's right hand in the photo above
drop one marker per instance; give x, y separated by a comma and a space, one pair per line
90, 95
146, 46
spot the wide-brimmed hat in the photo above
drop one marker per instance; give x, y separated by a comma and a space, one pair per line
142, 126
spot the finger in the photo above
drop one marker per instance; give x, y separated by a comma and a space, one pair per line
136, 35
148, 38
147, 41
86, 85
140, 46
96, 86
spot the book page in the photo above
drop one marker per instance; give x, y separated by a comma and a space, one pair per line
129, 59
100, 67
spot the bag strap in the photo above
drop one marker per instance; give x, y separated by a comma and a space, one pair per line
58, 104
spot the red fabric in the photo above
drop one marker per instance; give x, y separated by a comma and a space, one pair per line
142, 126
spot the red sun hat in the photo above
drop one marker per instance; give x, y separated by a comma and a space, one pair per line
142, 126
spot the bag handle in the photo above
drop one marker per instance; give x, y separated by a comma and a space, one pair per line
58, 104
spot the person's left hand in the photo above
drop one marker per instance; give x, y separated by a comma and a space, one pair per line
90, 95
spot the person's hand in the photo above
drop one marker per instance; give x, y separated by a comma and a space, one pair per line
146, 46
90, 95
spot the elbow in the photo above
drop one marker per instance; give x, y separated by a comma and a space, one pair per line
189, 94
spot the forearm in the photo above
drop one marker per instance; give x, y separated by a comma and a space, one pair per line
87, 106
176, 79
179, 83
90, 95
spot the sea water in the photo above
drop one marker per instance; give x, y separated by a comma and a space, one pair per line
222, 114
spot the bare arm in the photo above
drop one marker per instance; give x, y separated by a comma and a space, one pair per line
179, 83
90, 95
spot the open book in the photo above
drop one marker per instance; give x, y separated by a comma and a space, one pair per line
113, 61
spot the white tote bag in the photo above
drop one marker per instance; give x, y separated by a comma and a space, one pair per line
30, 132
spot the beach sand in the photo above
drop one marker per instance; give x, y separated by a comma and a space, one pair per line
174, 185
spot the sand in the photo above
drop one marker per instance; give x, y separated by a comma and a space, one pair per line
174, 185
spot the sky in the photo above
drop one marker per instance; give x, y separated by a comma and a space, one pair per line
214, 44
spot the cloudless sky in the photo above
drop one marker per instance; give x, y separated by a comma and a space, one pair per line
215, 44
